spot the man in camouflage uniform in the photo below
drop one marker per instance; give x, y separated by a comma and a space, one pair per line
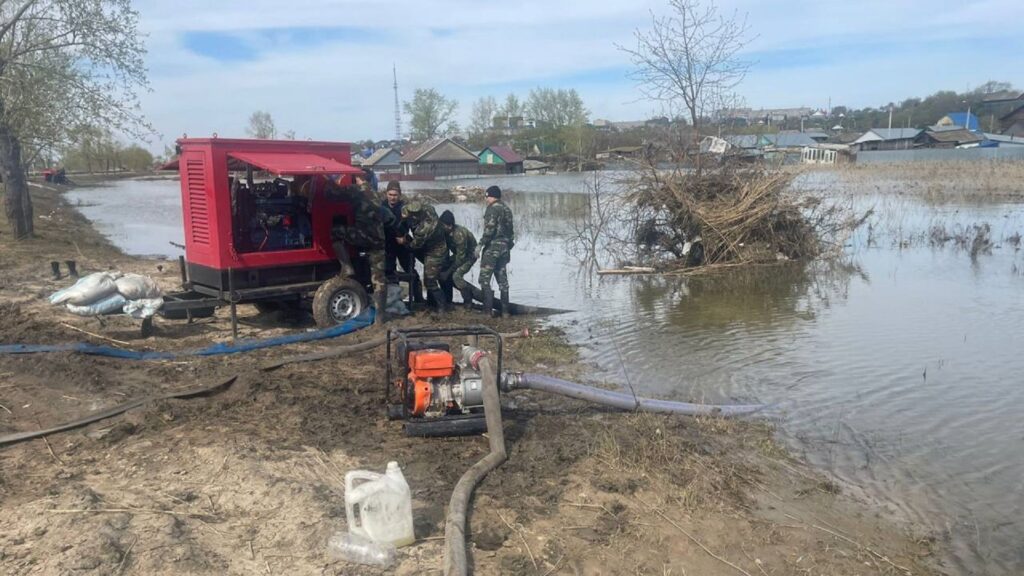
495, 249
429, 245
366, 233
462, 246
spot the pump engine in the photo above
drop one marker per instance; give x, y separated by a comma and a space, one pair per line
436, 392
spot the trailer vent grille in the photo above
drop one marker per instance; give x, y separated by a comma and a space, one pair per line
198, 207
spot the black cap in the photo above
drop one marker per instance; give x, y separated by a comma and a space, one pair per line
448, 218
494, 192
394, 185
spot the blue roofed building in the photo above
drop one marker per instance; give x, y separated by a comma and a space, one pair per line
959, 120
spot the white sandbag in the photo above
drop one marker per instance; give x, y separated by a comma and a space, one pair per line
395, 304
137, 286
143, 307
112, 303
88, 290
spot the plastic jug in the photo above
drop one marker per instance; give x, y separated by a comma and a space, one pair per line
379, 506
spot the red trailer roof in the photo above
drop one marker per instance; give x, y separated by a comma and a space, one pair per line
294, 164
284, 163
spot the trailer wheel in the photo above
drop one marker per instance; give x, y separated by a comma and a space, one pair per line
337, 300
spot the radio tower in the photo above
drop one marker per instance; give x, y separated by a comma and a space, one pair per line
398, 112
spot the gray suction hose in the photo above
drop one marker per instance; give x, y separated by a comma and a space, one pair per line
455, 525
512, 381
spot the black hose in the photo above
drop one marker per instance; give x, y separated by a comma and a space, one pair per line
623, 401
455, 525
114, 411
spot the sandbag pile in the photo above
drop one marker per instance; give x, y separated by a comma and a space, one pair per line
109, 293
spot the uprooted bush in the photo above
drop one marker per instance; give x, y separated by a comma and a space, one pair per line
730, 214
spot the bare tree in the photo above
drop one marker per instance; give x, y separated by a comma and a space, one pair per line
481, 120
63, 64
689, 58
261, 126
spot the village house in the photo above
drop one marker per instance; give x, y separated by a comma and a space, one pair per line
440, 158
1013, 123
955, 138
886, 139
500, 160
385, 161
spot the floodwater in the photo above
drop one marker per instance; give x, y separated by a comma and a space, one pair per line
897, 369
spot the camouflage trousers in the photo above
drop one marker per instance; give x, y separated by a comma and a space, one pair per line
458, 276
377, 275
492, 263
434, 259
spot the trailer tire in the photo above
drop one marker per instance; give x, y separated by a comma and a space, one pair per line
337, 300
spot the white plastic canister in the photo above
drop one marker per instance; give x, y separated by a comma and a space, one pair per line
379, 506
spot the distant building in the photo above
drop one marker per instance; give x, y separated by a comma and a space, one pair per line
1003, 140
440, 158
960, 119
500, 160
886, 139
791, 140
536, 166
1013, 123
957, 138
385, 161
621, 152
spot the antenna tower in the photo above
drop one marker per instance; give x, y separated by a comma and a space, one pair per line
398, 112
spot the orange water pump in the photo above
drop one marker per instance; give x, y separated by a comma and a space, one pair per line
436, 392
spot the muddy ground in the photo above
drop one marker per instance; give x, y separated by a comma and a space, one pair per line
250, 481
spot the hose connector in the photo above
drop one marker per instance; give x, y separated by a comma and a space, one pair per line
510, 381
472, 355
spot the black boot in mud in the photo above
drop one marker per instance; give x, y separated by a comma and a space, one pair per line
72, 268
488, 301
55, 270
505, 311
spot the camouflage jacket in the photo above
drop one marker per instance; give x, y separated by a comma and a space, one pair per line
497, 226
461, 244
368, 218
423, 223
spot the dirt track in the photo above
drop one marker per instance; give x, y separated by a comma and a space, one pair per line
250, 481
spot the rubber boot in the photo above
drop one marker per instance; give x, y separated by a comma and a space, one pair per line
72, 268
505, 310
488, 301
467, 297
55, 269
380, 302
439, 302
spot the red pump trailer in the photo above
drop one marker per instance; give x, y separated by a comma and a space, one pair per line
258, 221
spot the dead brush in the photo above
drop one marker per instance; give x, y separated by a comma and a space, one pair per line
740, 214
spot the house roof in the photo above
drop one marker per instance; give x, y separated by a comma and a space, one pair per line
1013, 112
379, 155
960, 136
744, 140
876, 134
1005, 139
439, 150
507, 154
961, 119
791, 140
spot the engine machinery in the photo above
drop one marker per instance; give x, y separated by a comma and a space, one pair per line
434, 390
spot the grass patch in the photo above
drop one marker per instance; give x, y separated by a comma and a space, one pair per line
548, 347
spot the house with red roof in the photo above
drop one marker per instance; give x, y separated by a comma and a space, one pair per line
500, 160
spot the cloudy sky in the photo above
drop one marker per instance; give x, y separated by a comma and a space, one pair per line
323, 67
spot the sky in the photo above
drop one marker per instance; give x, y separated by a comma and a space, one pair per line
323, 68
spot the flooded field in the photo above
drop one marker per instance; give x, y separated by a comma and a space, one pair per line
896, 368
